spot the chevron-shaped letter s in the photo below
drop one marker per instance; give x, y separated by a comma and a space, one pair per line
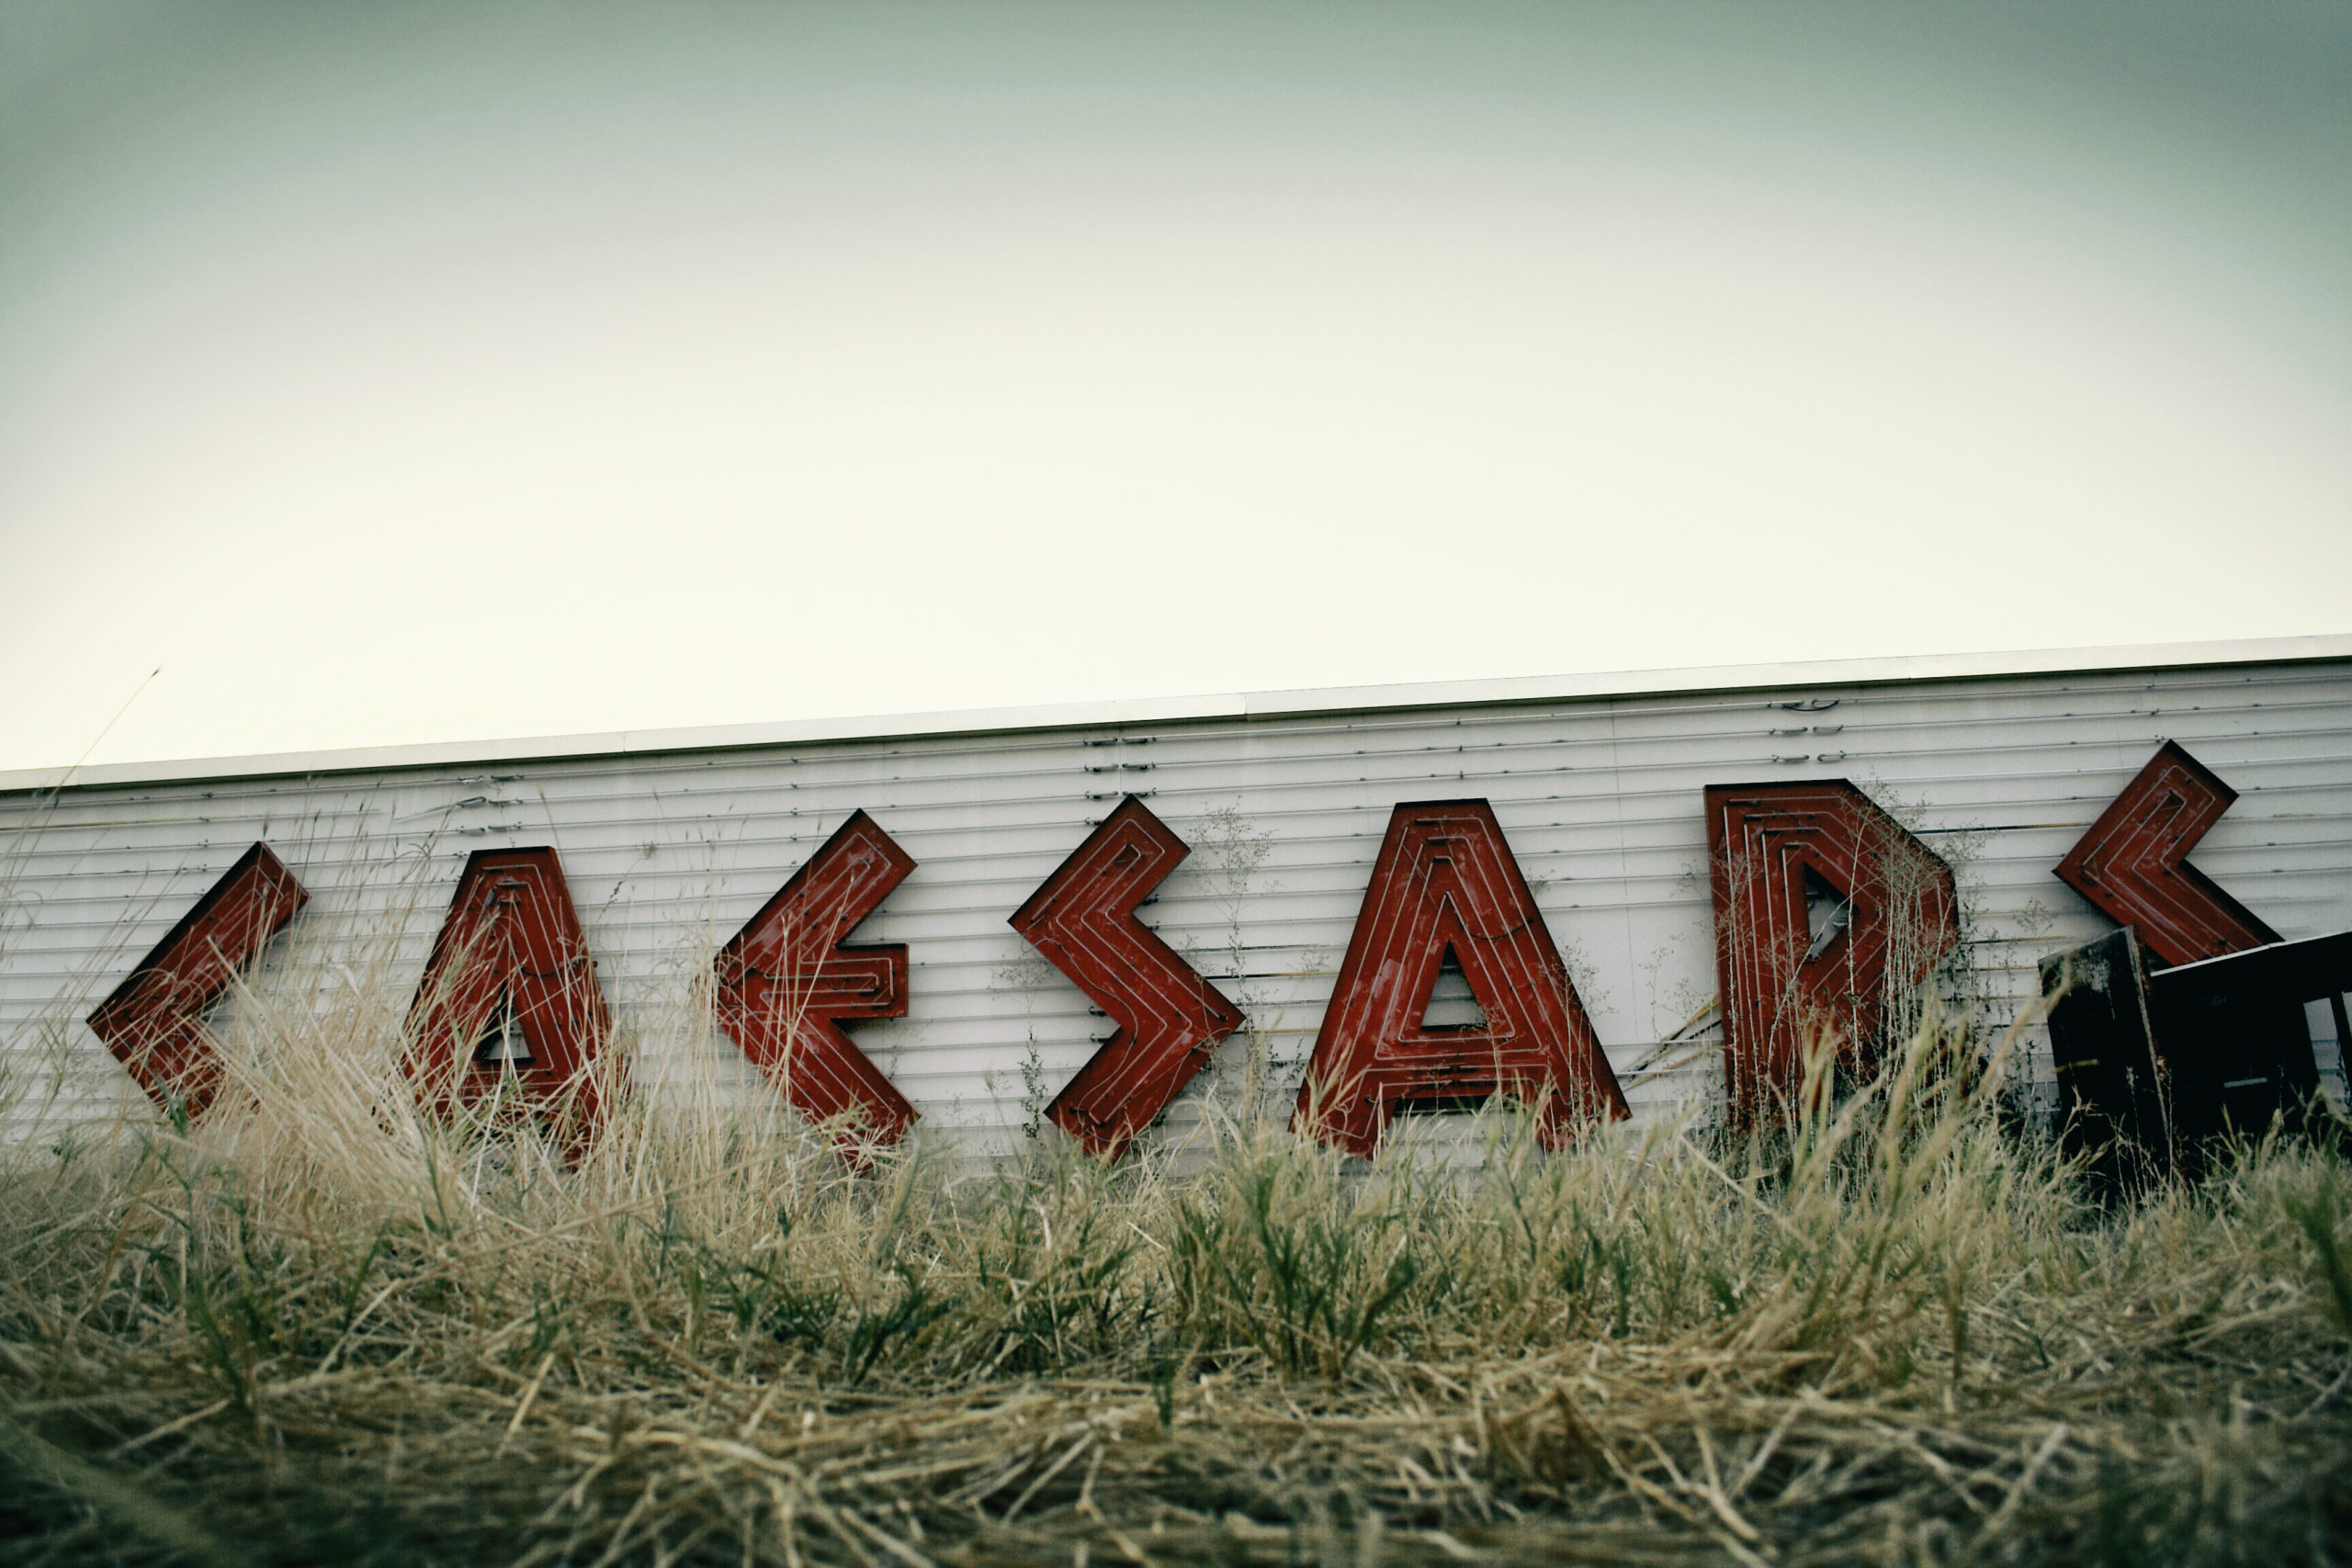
1170, 1018
786, 985
2133, 863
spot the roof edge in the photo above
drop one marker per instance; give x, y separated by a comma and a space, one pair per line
1298, 703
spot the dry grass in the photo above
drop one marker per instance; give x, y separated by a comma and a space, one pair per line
318, 1329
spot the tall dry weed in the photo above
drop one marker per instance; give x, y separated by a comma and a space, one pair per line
321, 1325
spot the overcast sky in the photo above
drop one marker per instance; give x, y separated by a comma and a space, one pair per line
398, 373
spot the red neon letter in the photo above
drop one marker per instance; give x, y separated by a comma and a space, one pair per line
510, 987
2132, 864
785, 986
1447, 879
1170, 1020
1892, 906
154, 1021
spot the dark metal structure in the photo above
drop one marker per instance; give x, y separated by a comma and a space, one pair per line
2236, 1038
2157, 1065
786, 985
1168, 1019
510, 1000
154, 1022
1446, 882
2133, 864
2110, 1080
1819, 896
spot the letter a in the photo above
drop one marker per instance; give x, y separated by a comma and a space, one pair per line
1447, 881
509, 995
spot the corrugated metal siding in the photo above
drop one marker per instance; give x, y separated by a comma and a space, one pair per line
668, 854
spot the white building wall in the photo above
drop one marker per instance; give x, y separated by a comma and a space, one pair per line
668, 853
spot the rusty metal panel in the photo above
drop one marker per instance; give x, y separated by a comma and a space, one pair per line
1784, 976
786, 985
2133, 863
511, 962
1168, 1018
153, 1022
1447, 881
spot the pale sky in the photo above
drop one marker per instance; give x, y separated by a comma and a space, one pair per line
405, 373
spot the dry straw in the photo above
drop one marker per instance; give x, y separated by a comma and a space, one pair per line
319, 1327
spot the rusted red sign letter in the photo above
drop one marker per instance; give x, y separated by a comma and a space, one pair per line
1170, 1020
1446, 882
786, 985
1823, 902
154, 1021
2133, 863
509, 995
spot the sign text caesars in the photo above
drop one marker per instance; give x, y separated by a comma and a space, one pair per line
509, 992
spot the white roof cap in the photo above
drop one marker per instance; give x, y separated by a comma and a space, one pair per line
1244, 706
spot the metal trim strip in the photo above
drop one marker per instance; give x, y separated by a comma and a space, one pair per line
1297, 704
